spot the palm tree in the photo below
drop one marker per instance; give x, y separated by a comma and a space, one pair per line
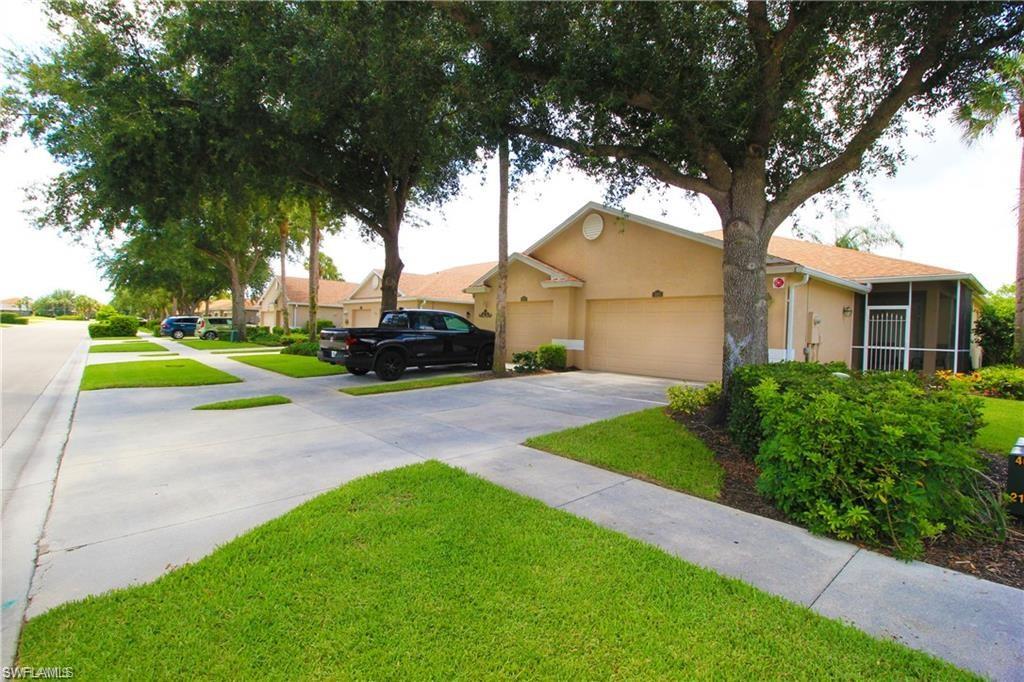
1002, 94
856, 237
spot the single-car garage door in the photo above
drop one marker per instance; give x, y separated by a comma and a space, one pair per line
529, 325
666, 337
364, 318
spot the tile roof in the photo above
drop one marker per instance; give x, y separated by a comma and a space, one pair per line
846, 263
442, 285
330, 292
225, 304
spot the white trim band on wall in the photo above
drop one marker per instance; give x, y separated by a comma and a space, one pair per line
570, 344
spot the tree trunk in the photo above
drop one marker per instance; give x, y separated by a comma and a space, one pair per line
283, 296
392, 271
500, 322
1018, 316
744, 257
237, 299
314, 267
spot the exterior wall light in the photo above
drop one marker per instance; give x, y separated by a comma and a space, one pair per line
847, 311
523, 299
657, 293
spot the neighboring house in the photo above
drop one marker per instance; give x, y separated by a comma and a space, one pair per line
12, 305
221, 307
443, 290
629, 294
331, 295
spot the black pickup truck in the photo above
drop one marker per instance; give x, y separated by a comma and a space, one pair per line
408, 338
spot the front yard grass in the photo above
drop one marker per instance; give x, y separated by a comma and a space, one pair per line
260, 349
1004, 424
648, 445
244, 403
153, 373
297, 366
130, 347
428, 572
394, 386
217, 344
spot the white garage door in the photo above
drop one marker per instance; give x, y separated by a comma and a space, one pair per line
529, 325
364, 318
665, 337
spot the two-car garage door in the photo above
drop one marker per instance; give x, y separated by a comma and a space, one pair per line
666, 337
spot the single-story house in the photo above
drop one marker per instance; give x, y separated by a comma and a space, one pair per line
13, 305
443, 290
630, 294
331, 296
221, 307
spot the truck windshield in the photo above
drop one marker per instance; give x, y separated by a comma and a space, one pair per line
395, 321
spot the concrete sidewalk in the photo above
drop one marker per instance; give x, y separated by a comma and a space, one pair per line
147, 484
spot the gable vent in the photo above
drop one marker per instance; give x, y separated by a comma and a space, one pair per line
593, 225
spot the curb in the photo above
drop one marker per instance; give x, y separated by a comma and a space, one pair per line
39, 440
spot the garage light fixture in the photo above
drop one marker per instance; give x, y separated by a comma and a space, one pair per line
657, 293
847, 311
523, 299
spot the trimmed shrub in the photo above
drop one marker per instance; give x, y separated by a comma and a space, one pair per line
993, 330
551, 356
294, 337
115, 325
1002, 381
690, 399
879, 458
302, 348
12, 318
105, 312
324, 324
744, 418
71, 317
525, 362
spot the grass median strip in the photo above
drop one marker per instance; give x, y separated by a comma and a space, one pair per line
217, 344
648, 445
428, 572
130, 347
296, 366
152, 373
1004, 424
394, 386
261, 349
244, 403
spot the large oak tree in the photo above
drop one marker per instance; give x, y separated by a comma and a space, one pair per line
757, 106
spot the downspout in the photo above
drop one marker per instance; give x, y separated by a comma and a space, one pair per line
790, 304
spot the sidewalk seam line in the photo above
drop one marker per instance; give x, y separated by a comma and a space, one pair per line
838, 573
583, 497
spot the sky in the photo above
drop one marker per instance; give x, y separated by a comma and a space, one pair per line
952, 204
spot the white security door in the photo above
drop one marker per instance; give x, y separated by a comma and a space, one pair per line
888, 338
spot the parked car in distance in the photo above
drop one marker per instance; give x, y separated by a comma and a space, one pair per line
210, 328
404, 338
179, 326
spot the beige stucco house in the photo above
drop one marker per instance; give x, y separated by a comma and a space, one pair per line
357, 304
331, 297
221, 307
443, 290
630, 294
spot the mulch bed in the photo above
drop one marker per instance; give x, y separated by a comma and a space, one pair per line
1000, 563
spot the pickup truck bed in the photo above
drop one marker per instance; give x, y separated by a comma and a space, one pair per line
407, 338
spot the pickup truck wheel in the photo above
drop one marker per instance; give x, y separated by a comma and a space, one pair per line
390, 365
358, 371
485, 360
177, 334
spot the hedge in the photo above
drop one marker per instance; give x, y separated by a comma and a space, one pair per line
302, 348
115, 325
880, 458
11, 318
551, 356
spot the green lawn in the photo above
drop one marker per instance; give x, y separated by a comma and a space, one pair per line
116, 338
649, 445
217, 344
1004, 424
130, 347
393, 386
244, 403
298, 366
151, 373
159, 355
260, 349
427, 572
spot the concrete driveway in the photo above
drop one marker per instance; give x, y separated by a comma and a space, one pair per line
147, 484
